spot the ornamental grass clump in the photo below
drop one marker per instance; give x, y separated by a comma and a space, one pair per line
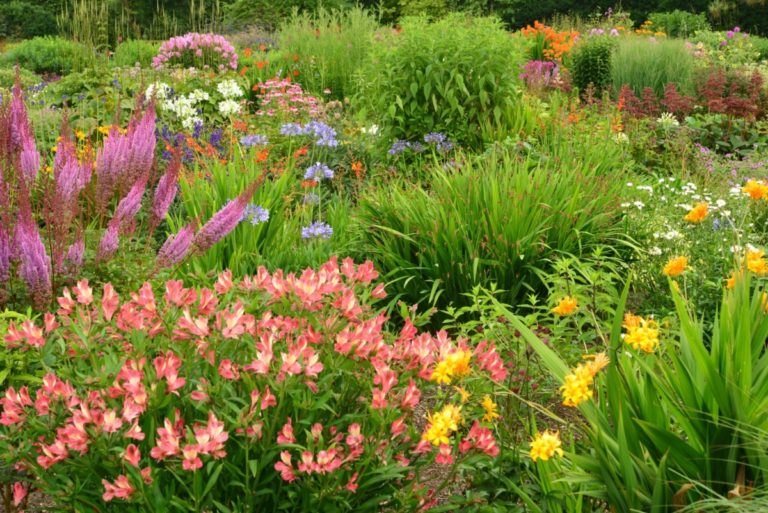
289, 388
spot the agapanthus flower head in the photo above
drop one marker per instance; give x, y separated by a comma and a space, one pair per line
318, 171
255, 214
317, 230
291, 129
254, 140
398, 147
434, 138
546, 445
311, 198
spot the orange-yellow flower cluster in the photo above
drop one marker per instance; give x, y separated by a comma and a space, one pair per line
566, 306
577, 386
556, 44
676, 266
756, 261
455, 365
646, 29
442, 424
641, 333
757, 190
698, 213
545, 445
491, 409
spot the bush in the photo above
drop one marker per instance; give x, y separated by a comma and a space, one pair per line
641, 63
495, 220
24, 20
48, 55
129, 53
8, 78
458, 76
288, 389
329, 47
591, 64
679, 23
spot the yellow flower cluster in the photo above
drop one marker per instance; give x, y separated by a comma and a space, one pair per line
545, 445
566, 306
442, 424
757, 190
698, 213
577, 386
647, 30
455, 365
641, 333
491, 409
756, 261
676, 266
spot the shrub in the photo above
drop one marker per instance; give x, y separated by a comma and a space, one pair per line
494, 220
679, 23
128, 53
25, 20
48, 55
591, 63
26, 78
640, 63
329, 47
457, 76
286, 388
193, 50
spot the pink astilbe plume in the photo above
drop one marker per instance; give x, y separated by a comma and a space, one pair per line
34, 262
5, 256
29, 159
125, 158
109, 242
73, 261
165, 192
176, 247
223, 221
129, 206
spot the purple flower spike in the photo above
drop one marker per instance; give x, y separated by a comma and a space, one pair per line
165, 192
223, 221
176, 247
34, 262
109, 242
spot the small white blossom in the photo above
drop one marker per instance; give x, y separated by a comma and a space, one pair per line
656, 251
229, 107
229, 89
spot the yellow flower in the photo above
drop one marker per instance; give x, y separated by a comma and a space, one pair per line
104, 129
598, 362
576, 387
442, 424
730, 283
756, 190
697, 213
455, 365
676, 266
756, 261
491, 409
644, 337
80, 134
566, 306
463, 394
545, 445
631, 320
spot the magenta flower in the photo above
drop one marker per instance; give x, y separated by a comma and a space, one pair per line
129, 206
74, 258
176, 247
165, 192
223, 221
34, 262
109, 242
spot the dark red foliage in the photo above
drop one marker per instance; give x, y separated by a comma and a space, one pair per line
678, 104
732, 93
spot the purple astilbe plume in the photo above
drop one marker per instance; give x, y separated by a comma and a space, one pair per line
142, 144
29, 159
223, 221
176, 247
165, 192
109, 242
19, 118
34, 263
74, 260
129, 206
5, 256
111, 160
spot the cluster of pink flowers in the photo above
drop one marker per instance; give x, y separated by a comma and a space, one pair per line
281, 96
193, 49
222, 354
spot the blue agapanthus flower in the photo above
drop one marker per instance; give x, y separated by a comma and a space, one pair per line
318, 171
255, 214
317, 230
254, 140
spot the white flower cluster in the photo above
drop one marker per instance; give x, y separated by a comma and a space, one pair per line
230, 90
185, 108
159, 90
667, 121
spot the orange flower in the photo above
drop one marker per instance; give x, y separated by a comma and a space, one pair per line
308, 184
756, 190
262, 155
261, 64
295, 57
697, 213
676, 266
300, 152
357, 167
247, 52
243, 71
240, 125
566, 306
262, 47
295, 73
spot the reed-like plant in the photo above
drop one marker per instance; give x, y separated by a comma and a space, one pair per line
641, 63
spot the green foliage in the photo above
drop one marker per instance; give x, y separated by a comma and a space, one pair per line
128, 53
8, 78
641, 63
591, 64
457, 76
496, 219
48, 55
24, 20
330, 47
679, 23
269, 15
